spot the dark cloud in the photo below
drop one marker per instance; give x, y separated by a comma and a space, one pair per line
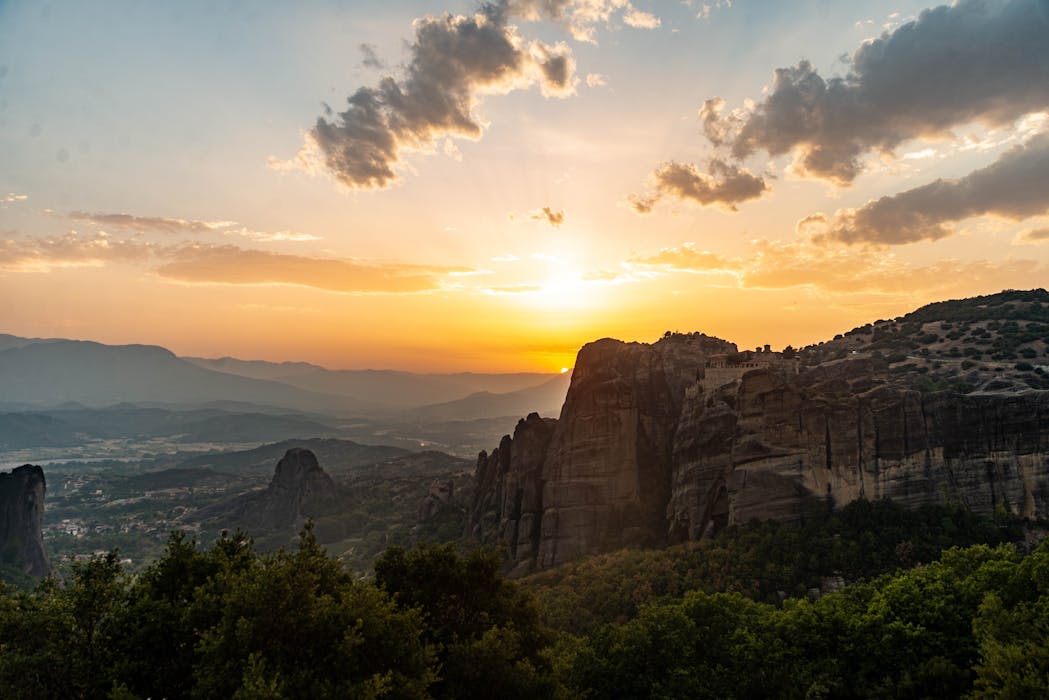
1016, 187
228, 264
453, 60
974, 61
724, 185
371, 58
554, 218
149, 223
1037, 235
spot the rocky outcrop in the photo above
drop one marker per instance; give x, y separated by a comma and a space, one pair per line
21, 519
648, 449
298, 483
299, 486
596, 478
441, 495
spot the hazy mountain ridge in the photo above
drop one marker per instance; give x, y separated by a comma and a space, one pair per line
39, 373
8, 341
546, 399
97, 375
387, 389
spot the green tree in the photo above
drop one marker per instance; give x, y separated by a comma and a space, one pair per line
485, 629
298, 625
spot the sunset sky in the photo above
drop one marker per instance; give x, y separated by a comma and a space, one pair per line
445, 186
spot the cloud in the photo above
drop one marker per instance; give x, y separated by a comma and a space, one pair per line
554, 218
68, 250
11, 198
581, 16
975, 61
707, 8
169, 225
840, 269
275, 236
150, 223
776, 265
229, 264
205, 263
687, 259
454, 60
1033, 236
595, 80
371, 58
1013, 187
508, 289
726, 185
640, 20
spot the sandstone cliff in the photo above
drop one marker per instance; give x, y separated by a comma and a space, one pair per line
683, 437
21, 517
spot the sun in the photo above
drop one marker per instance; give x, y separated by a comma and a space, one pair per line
564, 370
564, 286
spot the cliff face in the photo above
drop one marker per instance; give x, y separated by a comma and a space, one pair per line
769, 446
21, 518
595, 479
648, 448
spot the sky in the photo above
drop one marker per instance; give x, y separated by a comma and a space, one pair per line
451, 186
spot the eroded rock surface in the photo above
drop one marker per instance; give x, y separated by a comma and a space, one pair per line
21, 520
670, 441
299, 485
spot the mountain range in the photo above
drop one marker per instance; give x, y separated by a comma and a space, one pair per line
56, 391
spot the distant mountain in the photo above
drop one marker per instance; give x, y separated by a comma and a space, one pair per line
255, 369
37, 372
388, 389
13, 341
21, 430
545, 399
52, 373
337, 455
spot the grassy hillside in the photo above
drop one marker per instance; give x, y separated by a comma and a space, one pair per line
995, 343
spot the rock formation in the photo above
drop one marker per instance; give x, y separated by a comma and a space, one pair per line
298, 486
21, 518
441, 494
649, 448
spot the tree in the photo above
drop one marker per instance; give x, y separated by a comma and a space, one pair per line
485, 630
300, 625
